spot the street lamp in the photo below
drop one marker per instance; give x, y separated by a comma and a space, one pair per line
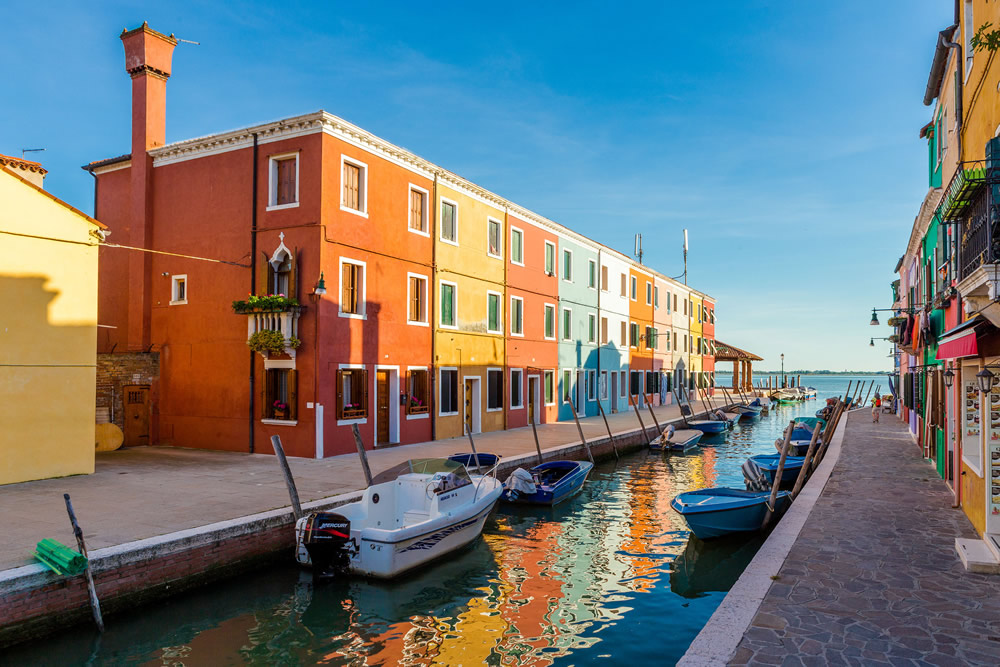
949, 378
782, 369
985, 380
874, 321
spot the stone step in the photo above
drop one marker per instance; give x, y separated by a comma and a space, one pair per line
976, 556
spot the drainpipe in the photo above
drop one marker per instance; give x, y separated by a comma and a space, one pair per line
506, 306
253, 282
432, 291
599, 329
958, 90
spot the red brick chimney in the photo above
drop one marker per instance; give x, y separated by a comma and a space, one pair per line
147, 60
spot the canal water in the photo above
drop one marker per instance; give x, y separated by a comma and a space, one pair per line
612, 573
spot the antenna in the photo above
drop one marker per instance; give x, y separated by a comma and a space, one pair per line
30, 150
188, 41
685, 257
638, 247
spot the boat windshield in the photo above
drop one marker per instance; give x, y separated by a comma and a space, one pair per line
423, 467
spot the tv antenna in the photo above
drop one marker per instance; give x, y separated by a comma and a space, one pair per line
30, 150
685, 274
638, 247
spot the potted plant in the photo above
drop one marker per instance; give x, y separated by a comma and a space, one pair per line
280, 409
266, 342
265, 303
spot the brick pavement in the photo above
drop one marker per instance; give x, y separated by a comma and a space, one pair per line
873, 578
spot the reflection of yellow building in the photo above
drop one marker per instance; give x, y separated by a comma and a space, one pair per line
48, 343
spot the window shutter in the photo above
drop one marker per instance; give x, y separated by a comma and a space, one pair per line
340, 394
293, 275
364, 390
265, 275
347, 289
352, 176
265, 395
293, 394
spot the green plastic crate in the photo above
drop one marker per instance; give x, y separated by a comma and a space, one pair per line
59, 558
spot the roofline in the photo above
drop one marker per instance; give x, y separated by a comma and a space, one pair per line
936, 76
97, 164
51, 196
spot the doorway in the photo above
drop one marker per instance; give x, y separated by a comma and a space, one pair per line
136, 415
580, 377
382, 406
473, 405
533, 409
614, 392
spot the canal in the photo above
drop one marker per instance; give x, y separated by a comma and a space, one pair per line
611, 573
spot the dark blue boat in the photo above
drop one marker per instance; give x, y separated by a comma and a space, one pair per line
768, 464
703, 425
715, 512
553, 481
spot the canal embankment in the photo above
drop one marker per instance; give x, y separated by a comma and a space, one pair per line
159, 521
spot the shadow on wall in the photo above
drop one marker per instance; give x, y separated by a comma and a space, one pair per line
28, 336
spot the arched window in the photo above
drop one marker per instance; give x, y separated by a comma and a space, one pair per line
281, 271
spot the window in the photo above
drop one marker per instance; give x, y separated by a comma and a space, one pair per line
567, 324
592, 278
685, 306
352, 393
448, 315
279, 275
675, 303
550, 322
419, 399
699, 314
604, 278
550, 259
604, 385
591, 385
624, 286
656, 297
516, 246
621, 384
448, 392
592, 328
516, 383
494, 389
668, 302
516, 316
649, 293
686, 348
675, 341
494, 323
970, 31
652, 383
567, 386
624, 339
418, 210
352, 288
711, 316
354, 193
178, 290
449, 221
283, 180
548, 382
635, 382
279, 394
633, 335
567, 265
604, 331
494, 234
650, 338
635, 288
416, 297
668, 340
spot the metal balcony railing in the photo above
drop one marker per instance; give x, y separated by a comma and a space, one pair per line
970, 202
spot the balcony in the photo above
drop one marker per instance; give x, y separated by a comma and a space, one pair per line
272, 313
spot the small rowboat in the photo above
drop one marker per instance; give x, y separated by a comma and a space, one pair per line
677, 441
547, 483
715, 512
768, 464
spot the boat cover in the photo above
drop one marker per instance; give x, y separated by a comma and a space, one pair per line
754, 476
520, 481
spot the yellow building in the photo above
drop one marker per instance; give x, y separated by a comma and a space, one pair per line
469, 352
48, 337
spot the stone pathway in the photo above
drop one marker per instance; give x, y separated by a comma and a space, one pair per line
873, 578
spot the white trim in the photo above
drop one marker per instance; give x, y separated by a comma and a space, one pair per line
499, 297
495, 369
564, 334
351, 367
510, 384
272, 181
363, 299
555, 324
424, 302
511, 317
555, 260
477, 391
440, 384
591, 385
649, 293
443, 201
565, 264
174, 301
427, 210
280, 422
362, 185
632, 323
633, 287
454, 304
426, 415
124, 164
273, 364
511, 249
359, 420
490, 219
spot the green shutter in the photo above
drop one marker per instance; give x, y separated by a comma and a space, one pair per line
447, 305
494, 312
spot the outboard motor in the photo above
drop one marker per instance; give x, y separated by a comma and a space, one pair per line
327, 538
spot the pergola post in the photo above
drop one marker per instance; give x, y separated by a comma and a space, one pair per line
736, 374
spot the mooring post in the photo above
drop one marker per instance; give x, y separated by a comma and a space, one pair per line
293, 493
611, 438
769, 517
362, 453
636, 408
580, 430
649, 404
472, 443
804, 470
534, 432
95, 604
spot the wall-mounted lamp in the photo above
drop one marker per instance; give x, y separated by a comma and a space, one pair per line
320, 288
985, 380
165, 274
949, 378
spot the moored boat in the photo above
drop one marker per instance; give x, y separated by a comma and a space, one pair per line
676, 440
547, 483
768, 464
480, 461
715, 512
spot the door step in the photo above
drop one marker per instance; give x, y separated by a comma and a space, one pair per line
977, 556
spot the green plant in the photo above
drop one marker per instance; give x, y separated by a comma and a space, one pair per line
986, 39
267, 341
293, 343
266, 303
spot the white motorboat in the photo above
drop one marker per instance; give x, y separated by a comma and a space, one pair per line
411, 514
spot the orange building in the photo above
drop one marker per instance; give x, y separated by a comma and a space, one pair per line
642, 337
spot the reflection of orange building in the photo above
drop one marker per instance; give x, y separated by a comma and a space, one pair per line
643, 525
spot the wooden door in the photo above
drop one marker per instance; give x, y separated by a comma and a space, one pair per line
531, 400
136, 399
468, 406
382, 405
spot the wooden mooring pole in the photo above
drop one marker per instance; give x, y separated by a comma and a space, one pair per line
804, 470
611, 438
361, 452
293, 493
769, 517
636, 408
580, 431
649, 404
95, 604
472, 443
534, 432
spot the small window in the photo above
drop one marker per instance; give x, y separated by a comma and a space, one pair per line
622, 391
711, 316
604, 331
493, 310
633, 335
668, 302
592, 328
448, 399
178, 290
352, 393
649, 293
591, 385
352, 288
567, 386
516, 316
604, 278
675, 341
417, 299
624, 286
668, 341
604, 385
685, 306
279, 394
650, 339
418, 210
550, 259
517, 246
354, 195
494, 389
516, 382
635, 382
624, 340
567, 324
284, 181
449, 221
635, 288
656, 297
550, 322
592, 278
675, 303
548, 380
448, 316
419, 403
494, 234
567, 259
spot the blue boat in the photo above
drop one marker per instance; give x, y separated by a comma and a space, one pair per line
795, 447
547, 483
703, 425
768, 464
715, 512
678, 441
747, 411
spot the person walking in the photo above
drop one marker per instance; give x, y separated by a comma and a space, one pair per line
876, 408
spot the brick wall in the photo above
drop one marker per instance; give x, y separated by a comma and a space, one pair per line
115, 371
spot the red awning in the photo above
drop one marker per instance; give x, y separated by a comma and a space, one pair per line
956, 348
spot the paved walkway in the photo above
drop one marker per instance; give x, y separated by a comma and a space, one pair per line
873, 577
149, 491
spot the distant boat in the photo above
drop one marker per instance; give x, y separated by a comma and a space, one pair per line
703, 425
716, 512
768, 464
677, 441
548, 483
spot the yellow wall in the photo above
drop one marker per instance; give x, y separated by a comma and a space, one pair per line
980, 102
48, 337
974, 497
470, 347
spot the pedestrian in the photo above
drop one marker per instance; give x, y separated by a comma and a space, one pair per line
876, 409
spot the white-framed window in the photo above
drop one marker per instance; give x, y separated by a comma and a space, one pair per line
516, 246
550, 258
604, 278
623, 341
550, 321
449, 221
516, 316
352, 394
418, 223
567, 387
494, 389
447, 391
178, 290
494, 312
592, 274
604, 385
353, 275
633, 335
622, 389
567, 324
635, 289
592, 385
604, 331
416, 299
591, 328
649, 293
494, 238
283, 181
549, 387
449, 305
567, 269
656, 298
668, 303
354, 186
516, 388
970, 31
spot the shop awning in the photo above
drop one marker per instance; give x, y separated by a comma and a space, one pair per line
963, 340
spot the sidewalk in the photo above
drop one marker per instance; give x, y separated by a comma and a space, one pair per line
873, 577
150, 491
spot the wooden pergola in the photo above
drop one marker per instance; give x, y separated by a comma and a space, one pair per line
742, 364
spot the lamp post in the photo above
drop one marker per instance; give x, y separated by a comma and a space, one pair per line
782, 370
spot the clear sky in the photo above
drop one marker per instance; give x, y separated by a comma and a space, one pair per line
784, 135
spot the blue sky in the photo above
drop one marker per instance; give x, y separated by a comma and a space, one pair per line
783, 135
